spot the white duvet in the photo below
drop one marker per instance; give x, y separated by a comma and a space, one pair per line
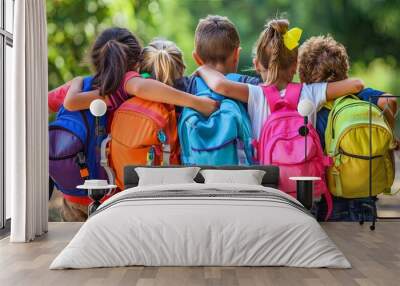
207, 230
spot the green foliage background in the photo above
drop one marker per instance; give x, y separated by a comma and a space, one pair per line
368, 28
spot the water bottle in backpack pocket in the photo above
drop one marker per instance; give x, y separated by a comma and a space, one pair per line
74, 154
223, 138
281, 144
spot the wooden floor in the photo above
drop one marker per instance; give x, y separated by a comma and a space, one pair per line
375, 257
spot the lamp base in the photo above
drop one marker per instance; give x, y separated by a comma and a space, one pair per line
96, 195
305, 193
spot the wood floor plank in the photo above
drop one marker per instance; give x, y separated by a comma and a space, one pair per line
375, 258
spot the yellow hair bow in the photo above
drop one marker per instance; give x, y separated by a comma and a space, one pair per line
292, 37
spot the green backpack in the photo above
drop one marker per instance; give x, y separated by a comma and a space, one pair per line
347, 138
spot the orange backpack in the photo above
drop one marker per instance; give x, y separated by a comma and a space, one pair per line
142, 133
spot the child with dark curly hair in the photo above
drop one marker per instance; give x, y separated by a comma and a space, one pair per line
323, 59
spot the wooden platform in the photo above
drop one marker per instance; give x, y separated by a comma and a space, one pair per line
375, 257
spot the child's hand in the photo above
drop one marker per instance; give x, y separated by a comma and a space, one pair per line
206, 105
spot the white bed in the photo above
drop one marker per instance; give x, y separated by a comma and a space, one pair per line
203, 225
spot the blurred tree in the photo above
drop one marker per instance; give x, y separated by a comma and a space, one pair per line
71, 28
368, 28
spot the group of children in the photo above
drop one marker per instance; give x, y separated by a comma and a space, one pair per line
322, 63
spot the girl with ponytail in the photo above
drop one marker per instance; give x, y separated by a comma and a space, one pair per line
276, 61
116, 59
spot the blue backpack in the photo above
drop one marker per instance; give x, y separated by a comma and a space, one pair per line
224, 138
74, 148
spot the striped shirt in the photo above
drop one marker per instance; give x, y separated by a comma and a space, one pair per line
120, 96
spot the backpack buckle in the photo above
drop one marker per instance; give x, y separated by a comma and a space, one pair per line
100, 131
81, 162
80, 159
150, 156
84, 172
166, 154
162, 137
165, 148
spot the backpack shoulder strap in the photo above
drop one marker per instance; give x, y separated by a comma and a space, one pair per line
272, 96
330, 104
202, 88
87, 83
292, 95
233, 77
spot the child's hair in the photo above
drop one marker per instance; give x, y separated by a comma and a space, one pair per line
216, 38
115, 52
163, 60
323, 59
271, 51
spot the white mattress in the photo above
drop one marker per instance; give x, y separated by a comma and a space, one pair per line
185, 230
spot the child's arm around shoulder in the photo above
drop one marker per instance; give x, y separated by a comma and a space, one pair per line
343, 87
217, 82
76, 99
55, 97
153, 90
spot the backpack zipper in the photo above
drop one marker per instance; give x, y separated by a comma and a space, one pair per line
361, 157
337, 151
161, 122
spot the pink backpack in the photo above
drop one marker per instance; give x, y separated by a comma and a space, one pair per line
280, 143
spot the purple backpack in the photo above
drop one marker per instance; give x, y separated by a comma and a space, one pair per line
74, 148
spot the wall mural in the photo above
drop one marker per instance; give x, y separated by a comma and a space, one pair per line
139, 108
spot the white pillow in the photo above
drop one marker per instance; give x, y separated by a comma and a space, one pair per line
166, 176
248, 177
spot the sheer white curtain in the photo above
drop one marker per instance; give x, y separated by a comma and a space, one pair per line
26, 124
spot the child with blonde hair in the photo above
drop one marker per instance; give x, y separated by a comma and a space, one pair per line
153, 126
163, 61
